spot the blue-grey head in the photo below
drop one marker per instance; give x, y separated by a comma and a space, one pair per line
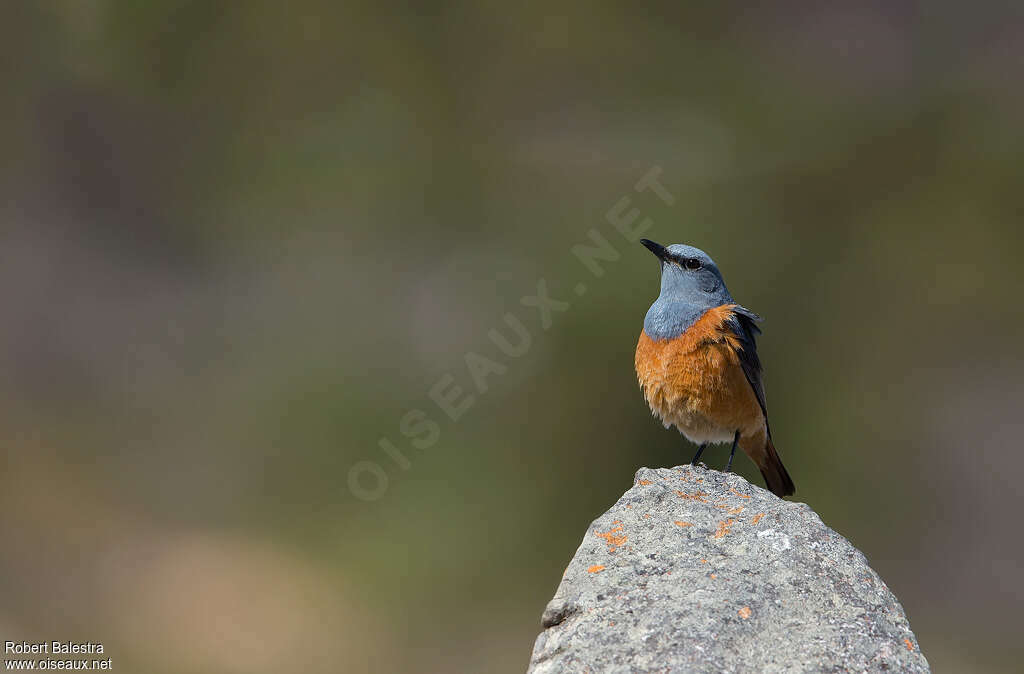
690, 285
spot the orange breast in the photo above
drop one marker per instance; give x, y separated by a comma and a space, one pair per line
695, 381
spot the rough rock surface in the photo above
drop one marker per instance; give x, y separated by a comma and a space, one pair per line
698, 570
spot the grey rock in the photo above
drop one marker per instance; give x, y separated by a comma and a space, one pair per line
694, 570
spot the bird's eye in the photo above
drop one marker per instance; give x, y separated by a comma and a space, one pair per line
692, 263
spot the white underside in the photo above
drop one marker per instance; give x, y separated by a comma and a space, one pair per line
699, 438
697, 430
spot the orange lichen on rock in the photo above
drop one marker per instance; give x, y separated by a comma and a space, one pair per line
744, 612
612, 537
910, 646
680, 523
713, 576
739, 494
757, 518
737, 510
699, 496
643, 482
723, 527
596, 568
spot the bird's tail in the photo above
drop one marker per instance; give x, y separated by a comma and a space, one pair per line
774, 473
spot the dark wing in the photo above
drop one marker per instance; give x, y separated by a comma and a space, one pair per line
744, 326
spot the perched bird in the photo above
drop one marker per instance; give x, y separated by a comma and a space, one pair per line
697, 363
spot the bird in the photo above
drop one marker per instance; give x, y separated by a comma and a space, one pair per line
697, 363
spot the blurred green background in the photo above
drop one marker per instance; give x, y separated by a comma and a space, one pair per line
241, 240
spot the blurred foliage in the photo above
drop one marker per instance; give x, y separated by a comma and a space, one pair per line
240, 241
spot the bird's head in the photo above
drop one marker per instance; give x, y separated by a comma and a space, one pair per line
689, 275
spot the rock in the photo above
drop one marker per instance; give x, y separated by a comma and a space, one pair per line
698, 570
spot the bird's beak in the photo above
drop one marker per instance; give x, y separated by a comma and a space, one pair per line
659, 250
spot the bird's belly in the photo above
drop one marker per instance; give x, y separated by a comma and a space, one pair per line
697, 427
701, 391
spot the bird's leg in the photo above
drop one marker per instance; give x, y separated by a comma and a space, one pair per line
735, 441
696, 457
